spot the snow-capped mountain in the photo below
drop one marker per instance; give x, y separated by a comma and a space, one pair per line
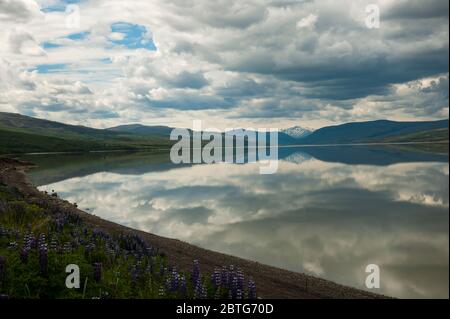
298, 132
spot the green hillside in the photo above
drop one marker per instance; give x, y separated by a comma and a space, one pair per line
22, 134
374, 131
437, 135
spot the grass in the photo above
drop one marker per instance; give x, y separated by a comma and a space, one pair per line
427, 136
38, 241
19, 142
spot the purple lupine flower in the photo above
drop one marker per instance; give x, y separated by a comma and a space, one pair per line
33, 242
97, 272
216, 278
41, 240
234, 288
174, 280
182, 287
167, 284
198, 289
204, 292
240, 280
251, 289
24, 254
195, 274
224, 276
43, 259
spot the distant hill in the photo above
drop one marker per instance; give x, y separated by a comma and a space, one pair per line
24, 134
375, 131
283, 138
435, 135
26, 124
142, 129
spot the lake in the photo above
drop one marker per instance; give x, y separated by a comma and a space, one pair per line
328, 211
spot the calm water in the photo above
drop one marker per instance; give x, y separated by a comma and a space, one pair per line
328, 211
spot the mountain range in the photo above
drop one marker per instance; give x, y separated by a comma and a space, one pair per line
24, 134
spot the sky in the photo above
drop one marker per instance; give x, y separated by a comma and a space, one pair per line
229, 63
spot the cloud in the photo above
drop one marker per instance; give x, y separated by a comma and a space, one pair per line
308, 22
22, 42
18, 10
258, 62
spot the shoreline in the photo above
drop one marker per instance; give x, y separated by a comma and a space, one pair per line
272, 282
279, 146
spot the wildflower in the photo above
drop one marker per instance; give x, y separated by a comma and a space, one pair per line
240, 280
24, 255
198, 290
224, 277
41, 240
251, 289
216, 278
54, 244
97, 271
195, 274
204, 292
174, 280
182, 285
43, 259
162, 292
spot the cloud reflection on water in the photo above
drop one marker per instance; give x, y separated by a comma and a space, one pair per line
327, 219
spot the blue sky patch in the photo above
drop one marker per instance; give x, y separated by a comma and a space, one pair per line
50, 68
50, 45
106, 61
78, 36
60, 6
134, 36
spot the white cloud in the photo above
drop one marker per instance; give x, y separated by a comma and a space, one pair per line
308, 22
258, 62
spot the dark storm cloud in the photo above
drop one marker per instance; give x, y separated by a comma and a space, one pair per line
418, 9
184, 100
189, 80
